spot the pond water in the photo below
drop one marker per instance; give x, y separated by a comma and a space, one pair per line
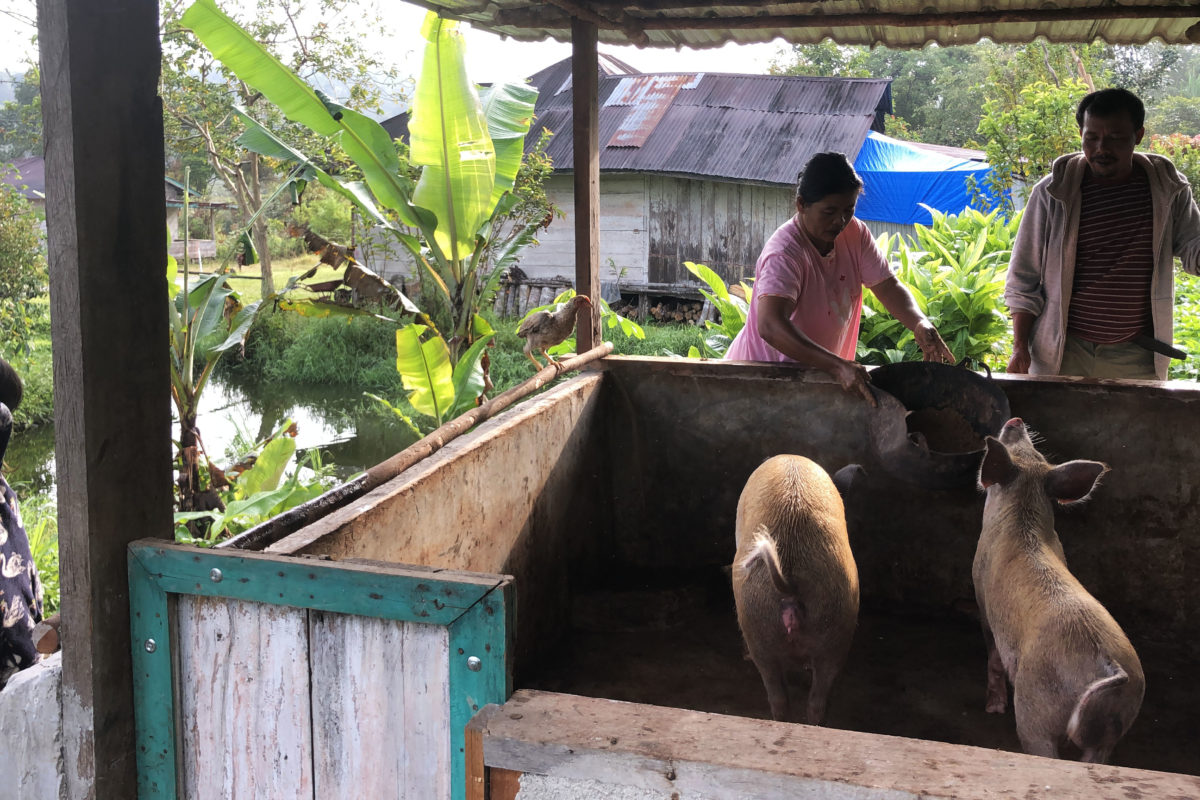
340, 423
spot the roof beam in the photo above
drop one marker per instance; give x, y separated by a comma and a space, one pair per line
548, 16
611, 17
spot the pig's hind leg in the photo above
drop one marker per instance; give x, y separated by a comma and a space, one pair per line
997, 680
779, 692
823, 673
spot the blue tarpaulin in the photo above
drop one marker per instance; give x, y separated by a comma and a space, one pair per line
898, 177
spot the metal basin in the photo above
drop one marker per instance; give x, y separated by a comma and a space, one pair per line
931, 421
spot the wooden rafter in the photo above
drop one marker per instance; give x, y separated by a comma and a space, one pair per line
611, 17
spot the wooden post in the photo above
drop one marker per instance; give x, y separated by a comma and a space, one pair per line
585, 114
106, 226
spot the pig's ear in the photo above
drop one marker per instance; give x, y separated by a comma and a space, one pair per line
847, 477
1074, 481
997, 466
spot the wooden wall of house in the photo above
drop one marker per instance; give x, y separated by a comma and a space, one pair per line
623, 231
722, 225
649, 225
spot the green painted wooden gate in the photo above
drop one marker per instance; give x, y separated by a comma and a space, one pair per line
190, 605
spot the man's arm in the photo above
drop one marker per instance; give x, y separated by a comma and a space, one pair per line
1186, 227
1023, 293
900, 303
776, 329
1022, 326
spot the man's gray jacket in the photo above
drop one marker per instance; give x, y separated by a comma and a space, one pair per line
1042, 269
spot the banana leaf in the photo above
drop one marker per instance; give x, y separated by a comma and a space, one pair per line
268, 467
258, 139
508, 109
468, 376
449, 141
425, 371
238, 50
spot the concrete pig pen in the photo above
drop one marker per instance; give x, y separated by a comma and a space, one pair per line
610, 499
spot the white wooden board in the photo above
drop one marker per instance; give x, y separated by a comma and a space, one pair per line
243, 692
380, 708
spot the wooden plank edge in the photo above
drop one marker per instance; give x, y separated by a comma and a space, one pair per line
492, 428
153, 685
409, 595
674, 750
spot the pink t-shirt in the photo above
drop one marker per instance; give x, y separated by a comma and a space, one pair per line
826, 290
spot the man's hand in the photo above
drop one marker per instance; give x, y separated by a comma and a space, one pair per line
931, 344
853, 378
1019, 363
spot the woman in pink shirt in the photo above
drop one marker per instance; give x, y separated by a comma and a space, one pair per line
808, 283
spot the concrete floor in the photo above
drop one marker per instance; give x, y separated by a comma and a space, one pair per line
905, 676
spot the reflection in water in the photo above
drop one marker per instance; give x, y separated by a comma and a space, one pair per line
341, 423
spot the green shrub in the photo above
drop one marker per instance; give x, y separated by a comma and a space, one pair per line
1187, 328
955, 270
330, 351
23, 275
1184, 151
39, 513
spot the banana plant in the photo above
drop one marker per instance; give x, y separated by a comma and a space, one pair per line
468, 150
207, 320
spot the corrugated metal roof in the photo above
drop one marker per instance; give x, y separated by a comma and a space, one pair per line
759, 128
894, 23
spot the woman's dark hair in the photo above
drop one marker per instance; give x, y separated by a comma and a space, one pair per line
1106, 102
826, 174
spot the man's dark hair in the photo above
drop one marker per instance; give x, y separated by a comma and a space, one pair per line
826, 174
1106, 102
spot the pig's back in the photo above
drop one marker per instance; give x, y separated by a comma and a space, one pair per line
798, 504
1043, 618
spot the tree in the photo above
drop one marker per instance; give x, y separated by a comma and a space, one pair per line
21, 119
23, 274
199, 95
1174, 115
1027, 132
1144, 70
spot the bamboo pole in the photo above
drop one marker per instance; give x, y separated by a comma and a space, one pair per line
290, 521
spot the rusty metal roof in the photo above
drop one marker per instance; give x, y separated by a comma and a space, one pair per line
890, 23
757, 128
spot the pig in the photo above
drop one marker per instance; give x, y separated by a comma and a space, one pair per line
1075, 676
795, 582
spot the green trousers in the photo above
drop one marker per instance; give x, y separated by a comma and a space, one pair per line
1123, 360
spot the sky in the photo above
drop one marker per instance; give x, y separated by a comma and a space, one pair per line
489, 58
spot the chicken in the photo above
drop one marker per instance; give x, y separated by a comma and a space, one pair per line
543, 330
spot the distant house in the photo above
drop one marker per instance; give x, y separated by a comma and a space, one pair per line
702, 167
28, 175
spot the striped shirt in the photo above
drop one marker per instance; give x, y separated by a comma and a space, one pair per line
1114, 262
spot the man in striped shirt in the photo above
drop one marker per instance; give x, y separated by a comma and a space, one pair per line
1091, 282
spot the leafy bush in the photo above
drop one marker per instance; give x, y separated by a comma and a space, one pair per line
732, 310
39, 513
23, 275
1184, 151
1187, 328
955, 271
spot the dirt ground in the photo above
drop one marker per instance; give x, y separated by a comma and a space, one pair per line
905, 676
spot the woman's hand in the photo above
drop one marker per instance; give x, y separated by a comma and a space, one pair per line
853, 378
931, 344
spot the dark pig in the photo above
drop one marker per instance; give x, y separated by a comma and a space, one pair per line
1074, 674
794, 582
